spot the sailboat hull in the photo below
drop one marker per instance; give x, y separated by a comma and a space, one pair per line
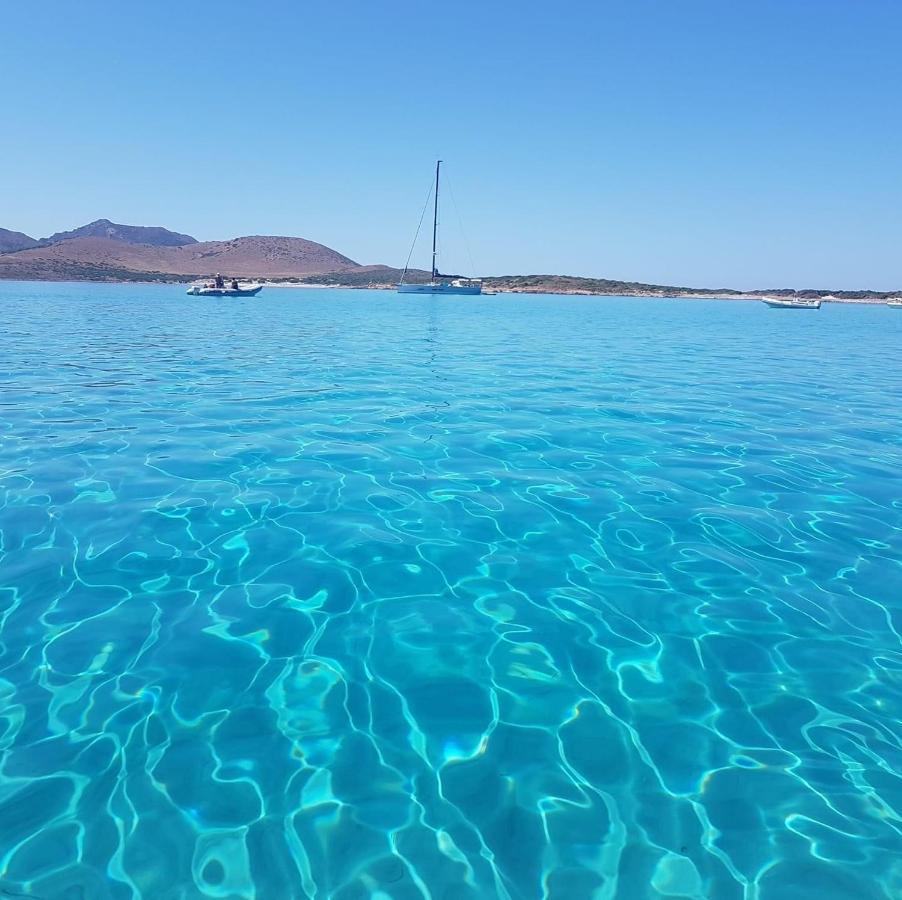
440, 288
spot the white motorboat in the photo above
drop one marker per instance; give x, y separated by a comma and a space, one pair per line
792, 302
895, 302
205, 290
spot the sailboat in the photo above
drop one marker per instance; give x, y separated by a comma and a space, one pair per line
439, 284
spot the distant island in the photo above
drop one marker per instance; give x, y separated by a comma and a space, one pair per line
105, 251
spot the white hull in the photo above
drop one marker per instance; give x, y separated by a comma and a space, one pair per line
440, 287
793, 304
251, 291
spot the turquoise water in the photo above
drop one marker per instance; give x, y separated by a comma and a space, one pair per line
343, 594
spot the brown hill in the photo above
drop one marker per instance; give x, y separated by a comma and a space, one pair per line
112, 258
11, 241
267, 256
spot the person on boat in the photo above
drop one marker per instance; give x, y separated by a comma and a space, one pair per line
234, 284
219, 282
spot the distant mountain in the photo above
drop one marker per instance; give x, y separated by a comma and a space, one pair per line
114, 259
129, 234
11, 241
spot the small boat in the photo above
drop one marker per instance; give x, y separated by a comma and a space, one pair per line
201, 290
438, 284
791, 303
895, 302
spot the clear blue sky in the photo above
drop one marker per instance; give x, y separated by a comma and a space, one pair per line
700, 142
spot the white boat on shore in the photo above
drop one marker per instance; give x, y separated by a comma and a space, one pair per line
791, 302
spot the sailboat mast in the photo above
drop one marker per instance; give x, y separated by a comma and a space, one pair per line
435, 219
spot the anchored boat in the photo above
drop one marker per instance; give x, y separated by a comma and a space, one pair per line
792, 303
203, 290
439, 284
895, 302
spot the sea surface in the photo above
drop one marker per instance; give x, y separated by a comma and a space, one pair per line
342, 594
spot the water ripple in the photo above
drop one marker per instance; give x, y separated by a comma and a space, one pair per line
339, 594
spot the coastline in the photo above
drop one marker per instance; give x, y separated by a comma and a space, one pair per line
875, 299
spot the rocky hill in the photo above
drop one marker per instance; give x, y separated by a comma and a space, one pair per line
116, 255
130, 234
264, 256
11, 241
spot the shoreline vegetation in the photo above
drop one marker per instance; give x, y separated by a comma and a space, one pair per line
385, 278
573, 285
